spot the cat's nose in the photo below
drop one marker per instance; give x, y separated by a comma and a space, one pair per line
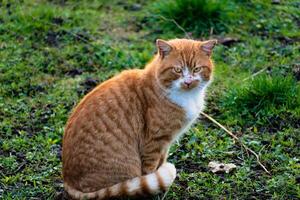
188, 82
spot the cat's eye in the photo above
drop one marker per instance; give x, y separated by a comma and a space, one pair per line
196, 69
177, 70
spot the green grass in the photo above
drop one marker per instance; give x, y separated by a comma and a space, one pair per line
198, 16
262, 98
53, 52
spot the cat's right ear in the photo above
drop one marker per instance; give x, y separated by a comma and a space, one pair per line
163, 48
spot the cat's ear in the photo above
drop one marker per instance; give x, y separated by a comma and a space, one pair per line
208, 46
163, 47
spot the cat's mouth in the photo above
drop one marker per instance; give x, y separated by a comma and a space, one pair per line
189, 85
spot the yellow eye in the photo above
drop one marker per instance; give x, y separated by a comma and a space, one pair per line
196, 69
177, 70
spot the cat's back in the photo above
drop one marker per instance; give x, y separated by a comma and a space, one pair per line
115, 107
118, 93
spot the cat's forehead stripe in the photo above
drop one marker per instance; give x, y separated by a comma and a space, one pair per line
188, 59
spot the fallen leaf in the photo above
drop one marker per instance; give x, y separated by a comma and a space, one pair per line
220, 167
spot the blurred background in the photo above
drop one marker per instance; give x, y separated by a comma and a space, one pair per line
54, 52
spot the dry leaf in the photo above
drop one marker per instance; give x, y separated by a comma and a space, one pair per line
220, 167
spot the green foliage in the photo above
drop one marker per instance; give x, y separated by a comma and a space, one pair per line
263, 93
266, 101
199, 16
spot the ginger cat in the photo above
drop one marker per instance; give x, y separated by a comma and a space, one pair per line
116, 140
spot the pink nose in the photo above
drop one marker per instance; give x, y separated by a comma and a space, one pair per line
188, 82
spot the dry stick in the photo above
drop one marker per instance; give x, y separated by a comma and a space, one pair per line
256, 73
178, 26
69, 32
211, 31
236, 139
165, 194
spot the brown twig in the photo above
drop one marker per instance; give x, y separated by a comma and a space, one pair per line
237, 140
67, 31
256, 73
87, 42
178, 26
165, 194
211, 32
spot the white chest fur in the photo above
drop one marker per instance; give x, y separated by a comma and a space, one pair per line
192, 102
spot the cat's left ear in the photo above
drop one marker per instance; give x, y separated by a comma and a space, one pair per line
208, 46
163, 47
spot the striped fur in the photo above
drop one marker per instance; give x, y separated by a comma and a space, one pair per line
153, 183
124, 127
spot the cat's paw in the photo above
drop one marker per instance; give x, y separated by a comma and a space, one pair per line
168, 172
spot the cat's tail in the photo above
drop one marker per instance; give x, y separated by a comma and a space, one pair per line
153, 183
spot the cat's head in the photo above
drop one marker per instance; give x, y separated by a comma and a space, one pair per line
183, 64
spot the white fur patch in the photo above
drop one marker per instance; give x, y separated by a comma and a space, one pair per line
168, 173
152, 182
101, 193
191, 101
115, 189
133, 185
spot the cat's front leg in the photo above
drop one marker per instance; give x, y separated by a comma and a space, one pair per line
154, 156
151, 157
163, 157
150, 163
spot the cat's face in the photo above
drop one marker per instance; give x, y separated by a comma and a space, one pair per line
184, 65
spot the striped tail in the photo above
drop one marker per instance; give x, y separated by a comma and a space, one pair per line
153, 183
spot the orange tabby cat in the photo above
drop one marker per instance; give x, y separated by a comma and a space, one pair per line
117, 139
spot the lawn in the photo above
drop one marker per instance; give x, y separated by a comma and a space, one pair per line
54, 52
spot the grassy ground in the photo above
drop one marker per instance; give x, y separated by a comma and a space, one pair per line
53, 52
